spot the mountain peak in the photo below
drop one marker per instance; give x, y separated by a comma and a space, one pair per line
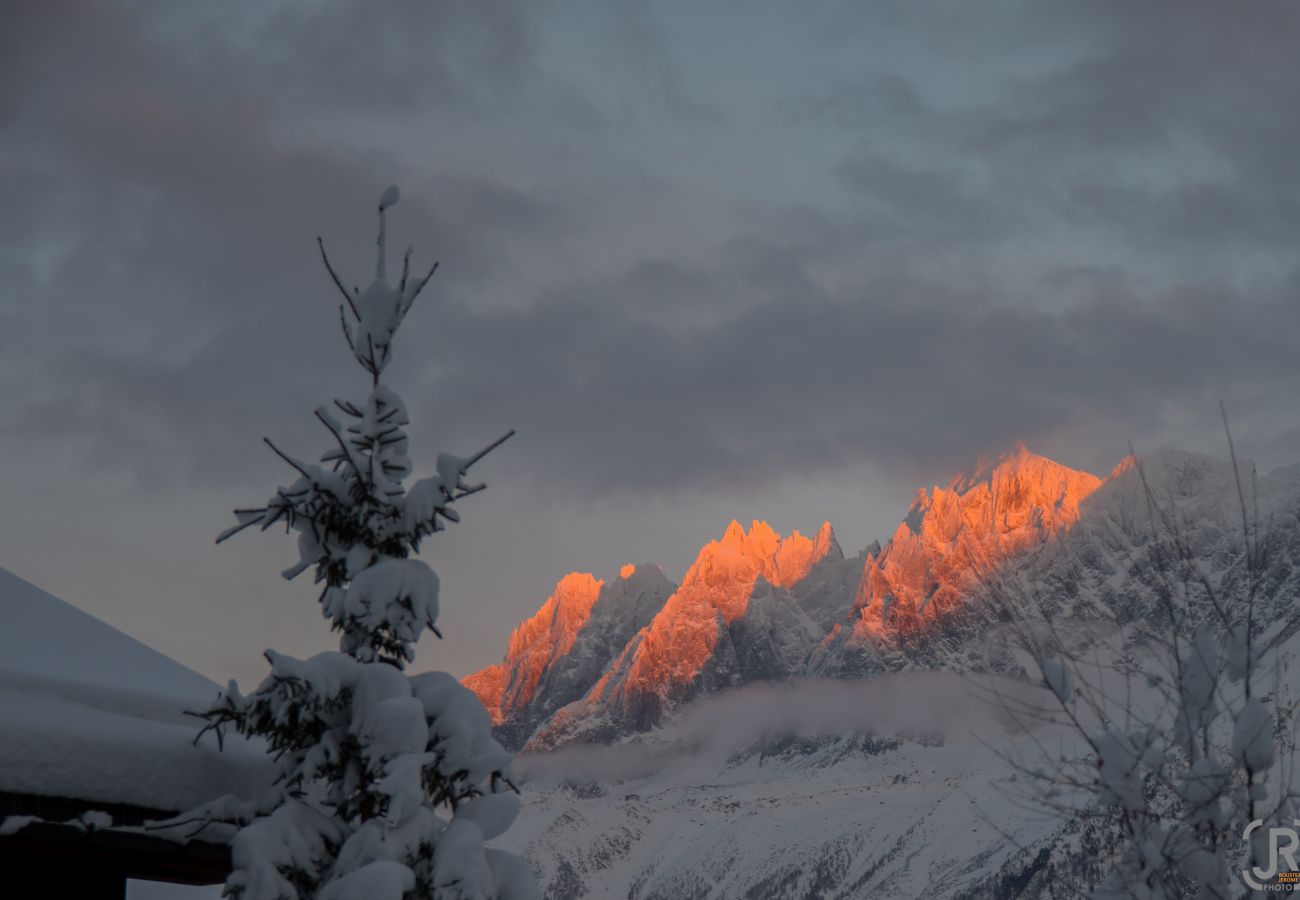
535, 645
678, 650
1018, 459
735, 533
575, 593
759, 541
741, 556
825, 543
955, 534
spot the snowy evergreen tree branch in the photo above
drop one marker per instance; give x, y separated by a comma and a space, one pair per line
387, 785
1183, 746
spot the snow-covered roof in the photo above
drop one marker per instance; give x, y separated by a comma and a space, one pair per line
44, 636
93, 714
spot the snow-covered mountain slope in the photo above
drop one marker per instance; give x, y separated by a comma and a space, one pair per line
1113, 554
743, 801
914, 784
1022, 533
780, 826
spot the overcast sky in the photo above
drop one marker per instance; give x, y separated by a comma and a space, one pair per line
711, 259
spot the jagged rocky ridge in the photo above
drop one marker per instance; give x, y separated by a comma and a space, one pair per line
601, 661
555, 657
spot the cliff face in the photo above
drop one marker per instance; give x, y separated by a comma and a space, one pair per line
681, 644
535, 646
958, 537
557, 655
733, 619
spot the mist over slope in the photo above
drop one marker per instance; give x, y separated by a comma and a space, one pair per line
831, 789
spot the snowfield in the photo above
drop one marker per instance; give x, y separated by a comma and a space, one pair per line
907, 785
689, 814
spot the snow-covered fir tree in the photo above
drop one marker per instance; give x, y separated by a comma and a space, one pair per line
388, 784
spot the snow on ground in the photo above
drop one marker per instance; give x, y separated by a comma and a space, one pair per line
904, 822
897, 786
813, 816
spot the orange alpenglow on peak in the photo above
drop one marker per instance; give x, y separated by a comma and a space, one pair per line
725, 570
535, 645
957, 536
489, 685
715, 591
1122, 466
627, 571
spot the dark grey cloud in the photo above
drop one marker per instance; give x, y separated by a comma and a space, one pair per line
1164, 125
687, 251
923, 380
455, 56
161, 224
160, 257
